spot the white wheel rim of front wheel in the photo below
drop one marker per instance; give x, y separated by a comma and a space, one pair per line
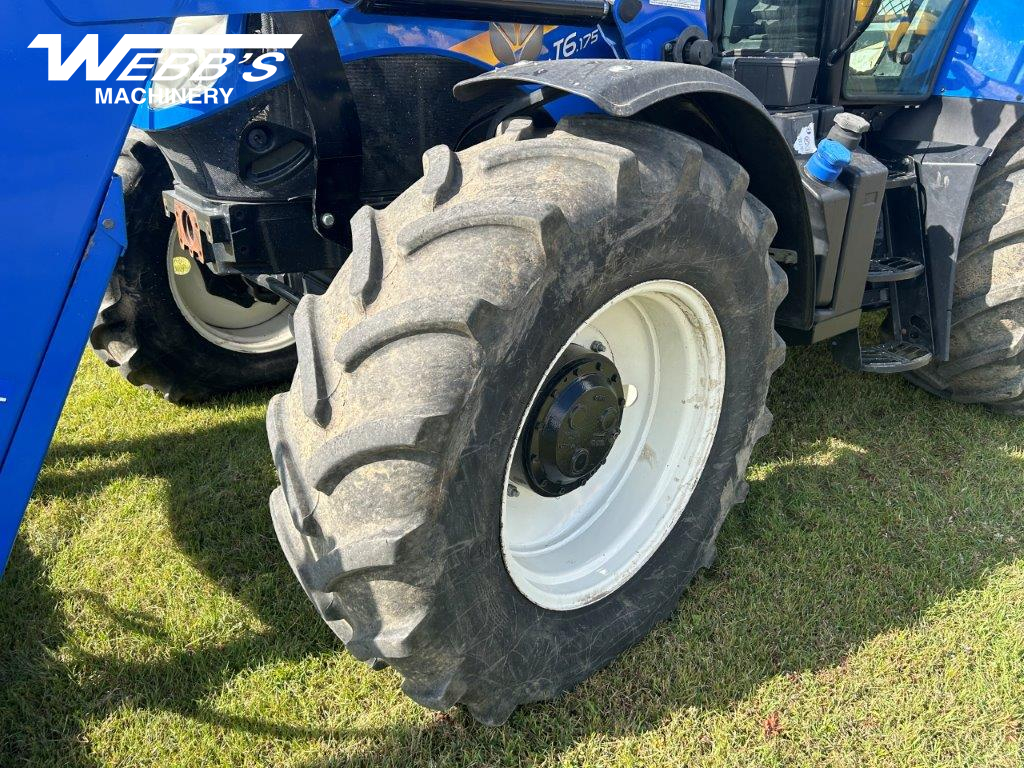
255, 330
571, 551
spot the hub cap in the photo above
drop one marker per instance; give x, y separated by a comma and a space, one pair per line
607, 458
575, 422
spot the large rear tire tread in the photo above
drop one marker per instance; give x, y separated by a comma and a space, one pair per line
358, 512
986, 362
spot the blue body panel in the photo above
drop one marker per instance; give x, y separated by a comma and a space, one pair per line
59, 363
986, 58
360, 36
54, 186
645, 36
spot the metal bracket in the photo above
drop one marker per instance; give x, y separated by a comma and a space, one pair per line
251, 237
948, 175
337, 138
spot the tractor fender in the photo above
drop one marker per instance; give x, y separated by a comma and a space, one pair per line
708, 105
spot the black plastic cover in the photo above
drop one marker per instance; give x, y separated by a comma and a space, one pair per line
779, 81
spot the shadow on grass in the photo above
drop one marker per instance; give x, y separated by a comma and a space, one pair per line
869, 502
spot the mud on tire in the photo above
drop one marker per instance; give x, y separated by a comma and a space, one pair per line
416, 366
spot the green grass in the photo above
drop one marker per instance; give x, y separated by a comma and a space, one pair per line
867, 606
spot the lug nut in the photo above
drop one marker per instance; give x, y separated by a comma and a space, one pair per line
513, 492
598, 347
327, 220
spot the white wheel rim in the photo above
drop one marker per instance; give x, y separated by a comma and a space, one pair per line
567, 552
255, 330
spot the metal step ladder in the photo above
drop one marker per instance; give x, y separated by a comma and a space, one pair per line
887, 357
896, 278
893, 269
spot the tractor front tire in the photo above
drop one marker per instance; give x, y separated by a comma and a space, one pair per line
142, 329
401, 499
986, 362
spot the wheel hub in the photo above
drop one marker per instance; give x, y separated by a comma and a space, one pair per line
568, 550
222, 309
574, 423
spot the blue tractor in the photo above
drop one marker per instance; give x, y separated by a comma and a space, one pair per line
529, 375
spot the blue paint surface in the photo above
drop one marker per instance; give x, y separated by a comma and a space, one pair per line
359, 36
645, 36
43, 405
986, 58
60, 148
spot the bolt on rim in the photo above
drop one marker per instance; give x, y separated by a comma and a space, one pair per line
570, 550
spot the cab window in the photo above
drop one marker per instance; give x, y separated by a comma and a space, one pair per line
899, 54
784, 26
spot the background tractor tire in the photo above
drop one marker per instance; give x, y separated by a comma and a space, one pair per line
141, 329
986, 362
416, 367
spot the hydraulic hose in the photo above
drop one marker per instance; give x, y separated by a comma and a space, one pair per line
854, 36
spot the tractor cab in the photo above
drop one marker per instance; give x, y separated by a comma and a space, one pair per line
892, 51
887, 224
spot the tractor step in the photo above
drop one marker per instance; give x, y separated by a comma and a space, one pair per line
894, 357
893, 269
888, 357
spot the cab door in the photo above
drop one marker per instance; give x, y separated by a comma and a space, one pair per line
900, 54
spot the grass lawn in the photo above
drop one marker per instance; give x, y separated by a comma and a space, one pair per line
867, 606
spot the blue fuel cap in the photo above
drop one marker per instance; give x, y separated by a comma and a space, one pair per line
828, 162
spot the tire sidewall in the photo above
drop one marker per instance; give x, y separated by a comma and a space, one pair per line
567, 646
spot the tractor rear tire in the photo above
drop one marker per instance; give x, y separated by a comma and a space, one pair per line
418, 366
986, 362
141, 328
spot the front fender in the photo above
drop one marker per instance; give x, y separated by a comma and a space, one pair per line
620, 88
699, 101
